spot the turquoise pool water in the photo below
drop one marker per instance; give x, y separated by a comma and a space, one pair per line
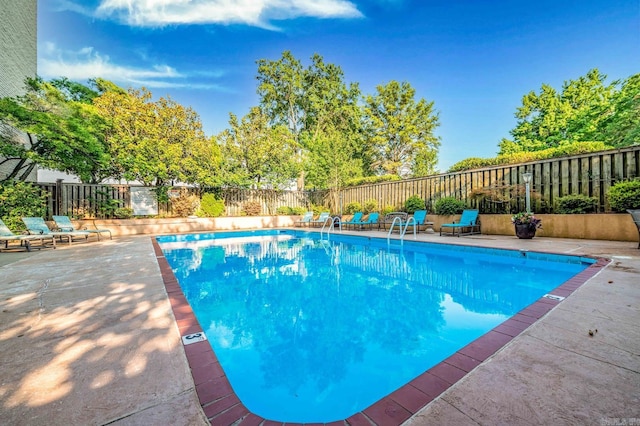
310, 330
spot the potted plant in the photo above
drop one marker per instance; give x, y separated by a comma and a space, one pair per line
526, 224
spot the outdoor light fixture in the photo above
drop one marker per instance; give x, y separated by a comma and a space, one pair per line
526, 177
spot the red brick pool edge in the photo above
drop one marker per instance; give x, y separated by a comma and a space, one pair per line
222, 407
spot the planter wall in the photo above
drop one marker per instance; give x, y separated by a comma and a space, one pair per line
180, 225
605, 226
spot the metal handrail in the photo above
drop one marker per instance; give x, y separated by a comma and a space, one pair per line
333, 221
392, 225
415, 224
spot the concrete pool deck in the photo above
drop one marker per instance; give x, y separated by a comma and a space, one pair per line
88, 336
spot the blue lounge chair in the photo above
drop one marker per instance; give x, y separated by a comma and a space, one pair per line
468, 225
37, 226
63, 223
372, 219
306, 219
25, 239
357, 217
321, 219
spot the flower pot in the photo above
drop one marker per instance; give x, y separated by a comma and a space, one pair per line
525, 231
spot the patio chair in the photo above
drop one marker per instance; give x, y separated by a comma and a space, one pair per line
37, 226
63, 224
635, 215
306, 219
390, 217
6, 235
357, 217
468, 225
320, 220
372, 219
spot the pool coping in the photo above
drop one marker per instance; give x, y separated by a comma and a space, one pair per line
221, 405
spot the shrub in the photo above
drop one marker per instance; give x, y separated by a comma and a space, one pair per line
576, 204
20, 199
123, 213
387, 209
370, 206
318, 208
369, 180
352, 207
252, 208
283, 210
184, 204
414, 203
299, 211
448, 206
210, 206
624, 195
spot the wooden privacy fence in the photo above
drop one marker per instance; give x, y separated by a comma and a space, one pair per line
84, 200
500, 189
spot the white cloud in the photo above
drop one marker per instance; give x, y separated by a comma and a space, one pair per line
86, 63
157, 13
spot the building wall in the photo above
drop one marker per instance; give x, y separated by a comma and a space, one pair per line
18, 45
18, 54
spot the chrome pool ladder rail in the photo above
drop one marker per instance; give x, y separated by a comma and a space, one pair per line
410, 221
395, 219
332, 221
415, 224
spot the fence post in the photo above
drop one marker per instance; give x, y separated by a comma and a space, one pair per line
57, 206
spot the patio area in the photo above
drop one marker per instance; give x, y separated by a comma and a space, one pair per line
88, 336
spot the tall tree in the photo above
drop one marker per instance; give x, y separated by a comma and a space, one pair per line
64, 132
155, 142
549, 118
401, 131
257, 154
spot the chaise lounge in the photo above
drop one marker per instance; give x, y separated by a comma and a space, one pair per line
468, 225
37, 226
25, 239
63, 224
306, 219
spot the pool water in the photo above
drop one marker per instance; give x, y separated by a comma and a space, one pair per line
310, 330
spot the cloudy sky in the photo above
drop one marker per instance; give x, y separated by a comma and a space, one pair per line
474, 58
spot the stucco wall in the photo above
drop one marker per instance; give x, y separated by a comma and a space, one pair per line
18, 52
614, 227
18, 45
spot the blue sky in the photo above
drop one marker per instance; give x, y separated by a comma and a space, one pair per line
474, 58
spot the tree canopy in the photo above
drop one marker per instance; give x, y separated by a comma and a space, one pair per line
585, 110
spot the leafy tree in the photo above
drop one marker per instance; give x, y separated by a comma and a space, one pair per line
257, 154
63, 131
157, 142
319, 109
281, 91
550, 119
401, 130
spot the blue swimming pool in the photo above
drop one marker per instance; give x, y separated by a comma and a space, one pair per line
312, 330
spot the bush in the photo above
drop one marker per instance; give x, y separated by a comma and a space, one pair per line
448, 206
185, 204
369, 180
413, 204
18, 200
564, 149
210, 206
252, 208
576, 204
298, 211
624, 195
352, 207
387, 209
318, 208
123, 213
370, 206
